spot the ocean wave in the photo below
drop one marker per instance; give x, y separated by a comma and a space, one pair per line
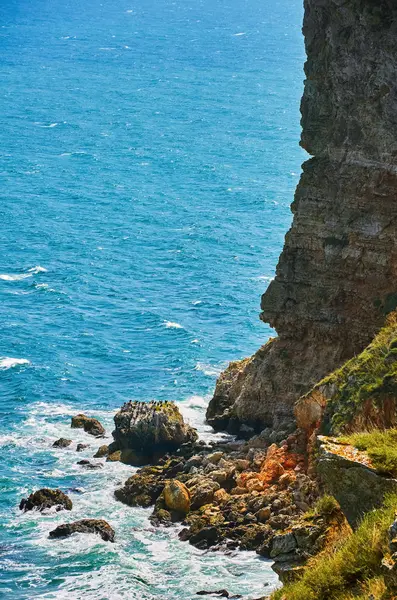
172, 325
6, 362
20, 276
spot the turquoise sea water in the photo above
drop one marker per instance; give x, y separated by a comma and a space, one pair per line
148, 157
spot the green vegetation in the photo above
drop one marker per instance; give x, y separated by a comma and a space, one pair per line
351, 570
381, 447
362, 387
326, 506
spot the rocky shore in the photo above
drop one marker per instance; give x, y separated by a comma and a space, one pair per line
310, 478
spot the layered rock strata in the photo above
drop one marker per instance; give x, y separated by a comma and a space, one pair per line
336, 277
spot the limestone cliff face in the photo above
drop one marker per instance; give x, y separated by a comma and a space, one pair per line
337, 275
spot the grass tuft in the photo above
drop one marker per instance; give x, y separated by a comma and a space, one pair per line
381, 447
352, 568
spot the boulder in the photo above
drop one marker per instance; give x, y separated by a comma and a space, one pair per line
46, 498
141, 489
89, 424
202, 491
97, 526
177, 496
102, 451
349, 477
80, 447
61, 443
146, 431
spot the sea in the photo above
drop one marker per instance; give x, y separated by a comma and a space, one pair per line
149, 152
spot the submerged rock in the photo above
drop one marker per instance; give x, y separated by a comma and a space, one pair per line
97, 526
89, 465
89, 424
61, 443
46, 498
146, 431
80, 447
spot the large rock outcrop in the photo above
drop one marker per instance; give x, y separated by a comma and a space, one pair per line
146, 431
349, 476
337, 275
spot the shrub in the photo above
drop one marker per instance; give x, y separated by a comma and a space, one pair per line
339, 573
326, 506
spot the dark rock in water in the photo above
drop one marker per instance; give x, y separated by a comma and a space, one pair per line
44, 499
102, 451
90, 425
98, 526
76, 490
81, 447
146, 431
61, 443
204, 538
220, 593
89, 465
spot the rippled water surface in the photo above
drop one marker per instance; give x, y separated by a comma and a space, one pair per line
148, 157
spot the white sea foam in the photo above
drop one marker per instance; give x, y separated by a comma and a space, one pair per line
172, 325
144, 561
240, 33
7, 362
20, 276
209, 370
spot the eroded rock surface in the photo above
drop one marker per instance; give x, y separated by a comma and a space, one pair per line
348, 475
97, 526
336, 277
146, 431
61, 443
89, 424
46, 498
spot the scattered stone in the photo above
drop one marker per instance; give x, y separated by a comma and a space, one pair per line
61, 443
215, 457
80, 447
202, 491
102, 451
177, 496
141, 489
97, 526
89, 424
220, 593
263, 514
242, 464
46, 498
89, 465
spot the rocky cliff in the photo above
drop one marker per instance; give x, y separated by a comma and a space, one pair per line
337, 274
